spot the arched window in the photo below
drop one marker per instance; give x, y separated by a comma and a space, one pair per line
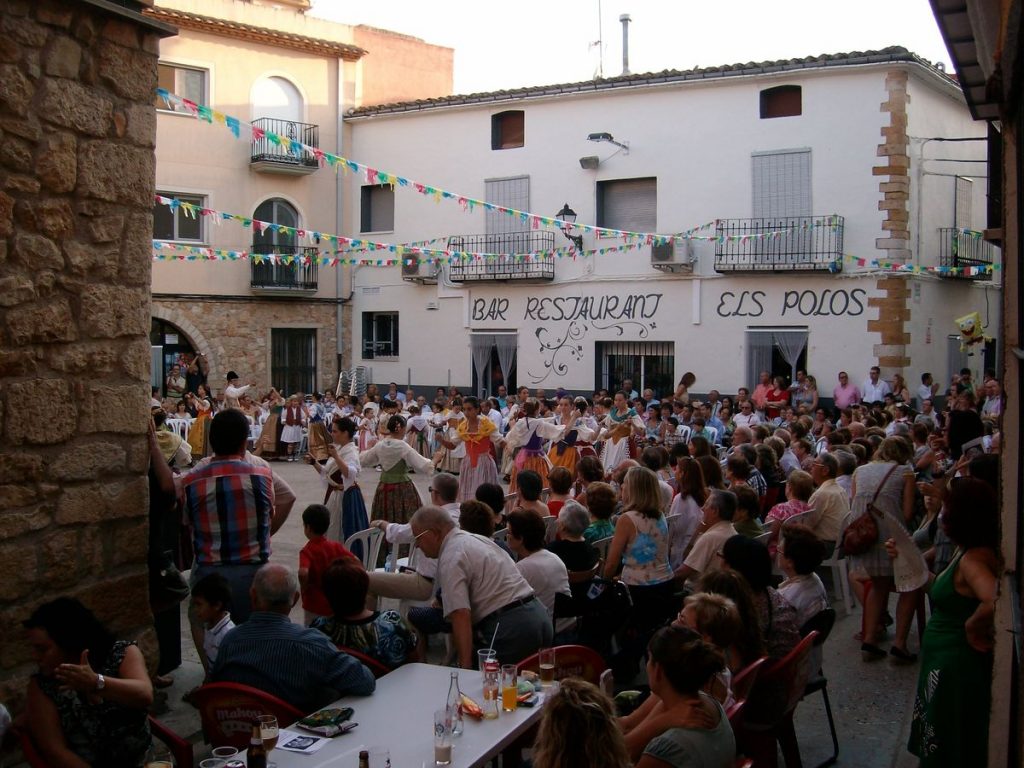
276, 211
277, 98
781, 101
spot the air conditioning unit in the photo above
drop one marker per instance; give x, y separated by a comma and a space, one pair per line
419, 272
673, 256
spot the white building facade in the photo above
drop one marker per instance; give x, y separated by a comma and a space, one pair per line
839, 229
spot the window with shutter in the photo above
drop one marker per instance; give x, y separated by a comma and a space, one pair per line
377, 208
781, 183
630, 205
512, 193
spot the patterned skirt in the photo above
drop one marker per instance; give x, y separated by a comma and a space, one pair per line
266, 446
318, 440
472, 477
396, 502
536, 462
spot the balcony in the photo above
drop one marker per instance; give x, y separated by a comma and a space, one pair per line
965, 254
509, 261
295, 279
268, 157
804, 244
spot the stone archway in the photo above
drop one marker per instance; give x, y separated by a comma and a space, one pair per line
214, 354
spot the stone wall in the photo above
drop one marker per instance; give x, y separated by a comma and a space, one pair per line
235, 335
77, 129
894, 185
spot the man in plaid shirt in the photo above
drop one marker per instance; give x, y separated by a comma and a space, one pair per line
229, 503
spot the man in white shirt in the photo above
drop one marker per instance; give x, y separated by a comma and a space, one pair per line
232, 391
747, 416
717, 528
875, 388
485, 595
488, 408
418, 583
829, 504
927, 390
544, 570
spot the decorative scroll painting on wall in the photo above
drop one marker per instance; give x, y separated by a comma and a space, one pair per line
563, 323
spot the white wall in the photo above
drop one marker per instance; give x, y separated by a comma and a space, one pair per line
697, 140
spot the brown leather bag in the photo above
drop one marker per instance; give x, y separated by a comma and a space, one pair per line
862, 534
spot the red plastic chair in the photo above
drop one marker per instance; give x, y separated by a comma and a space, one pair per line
227, 711
570, 661
769, 710
180, 749
745, 679
377, 668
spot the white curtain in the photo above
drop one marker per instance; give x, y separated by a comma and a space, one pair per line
506, 344
759, 355
482, 344
790, 344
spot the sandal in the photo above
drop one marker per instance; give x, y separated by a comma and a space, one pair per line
869, 652
900, 656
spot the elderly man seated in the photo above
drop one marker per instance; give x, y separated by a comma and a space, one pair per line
269, 652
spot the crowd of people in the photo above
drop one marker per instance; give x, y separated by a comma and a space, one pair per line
712, 516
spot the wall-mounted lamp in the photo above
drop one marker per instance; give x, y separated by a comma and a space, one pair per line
607, 137
590, 162
568, 216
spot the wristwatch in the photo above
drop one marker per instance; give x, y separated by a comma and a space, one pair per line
101, 682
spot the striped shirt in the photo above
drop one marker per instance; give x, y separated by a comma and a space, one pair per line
230, 504
294, 663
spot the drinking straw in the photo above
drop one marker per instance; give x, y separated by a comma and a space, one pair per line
494, 636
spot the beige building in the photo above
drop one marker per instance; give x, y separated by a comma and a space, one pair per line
272, 65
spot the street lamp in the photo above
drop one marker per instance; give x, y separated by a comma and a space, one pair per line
568, 217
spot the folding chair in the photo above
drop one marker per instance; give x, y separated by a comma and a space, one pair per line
822, 624
550, 528
602, 545
227, 711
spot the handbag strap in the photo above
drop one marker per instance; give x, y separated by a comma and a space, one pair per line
881, 485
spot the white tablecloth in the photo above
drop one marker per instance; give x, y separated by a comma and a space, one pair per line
399, 716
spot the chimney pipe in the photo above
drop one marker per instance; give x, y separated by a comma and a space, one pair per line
624, 18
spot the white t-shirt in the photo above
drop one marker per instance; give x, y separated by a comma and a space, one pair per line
547, 574
807, 594
683, 518
215, 635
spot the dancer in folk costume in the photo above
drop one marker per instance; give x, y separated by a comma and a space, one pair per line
198, 433
396, 498
620, 425
267, 445
294, 418
476, 434
418, 431
528, 435
368, 427
318, 436
566, 452
339, 474
585, 445
450, 459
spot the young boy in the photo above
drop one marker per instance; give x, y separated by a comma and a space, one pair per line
211, 601
314, 558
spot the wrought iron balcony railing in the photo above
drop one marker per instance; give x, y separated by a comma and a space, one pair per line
511, 259
268, 155
781, 244
964, 253
271, 277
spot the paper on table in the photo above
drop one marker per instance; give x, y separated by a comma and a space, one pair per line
303, 743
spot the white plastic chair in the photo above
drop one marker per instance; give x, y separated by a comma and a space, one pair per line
180, 427
371, 540
683, 433
501, 535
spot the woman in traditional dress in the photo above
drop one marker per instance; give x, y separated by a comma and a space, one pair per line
343, 497
567, 451
318, 437
294, 416
396, 498
368, 427
266, 446
450, 459
585, 445
476, 434
197, 433
620, 425
528, 435
418, 431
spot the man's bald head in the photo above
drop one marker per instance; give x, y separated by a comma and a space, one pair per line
275, 588
742, 435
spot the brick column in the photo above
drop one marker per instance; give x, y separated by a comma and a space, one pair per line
894, 184
77, 130
893, 314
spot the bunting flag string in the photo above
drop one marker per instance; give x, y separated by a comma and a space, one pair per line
411, 253
469, 204
896, 266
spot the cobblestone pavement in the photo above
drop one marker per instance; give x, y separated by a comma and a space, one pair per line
871, 703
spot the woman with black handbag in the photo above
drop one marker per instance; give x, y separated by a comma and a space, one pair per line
883, 498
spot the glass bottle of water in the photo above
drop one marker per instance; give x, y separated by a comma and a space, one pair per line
455, 704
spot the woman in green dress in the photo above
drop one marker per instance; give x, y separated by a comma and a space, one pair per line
954, 687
